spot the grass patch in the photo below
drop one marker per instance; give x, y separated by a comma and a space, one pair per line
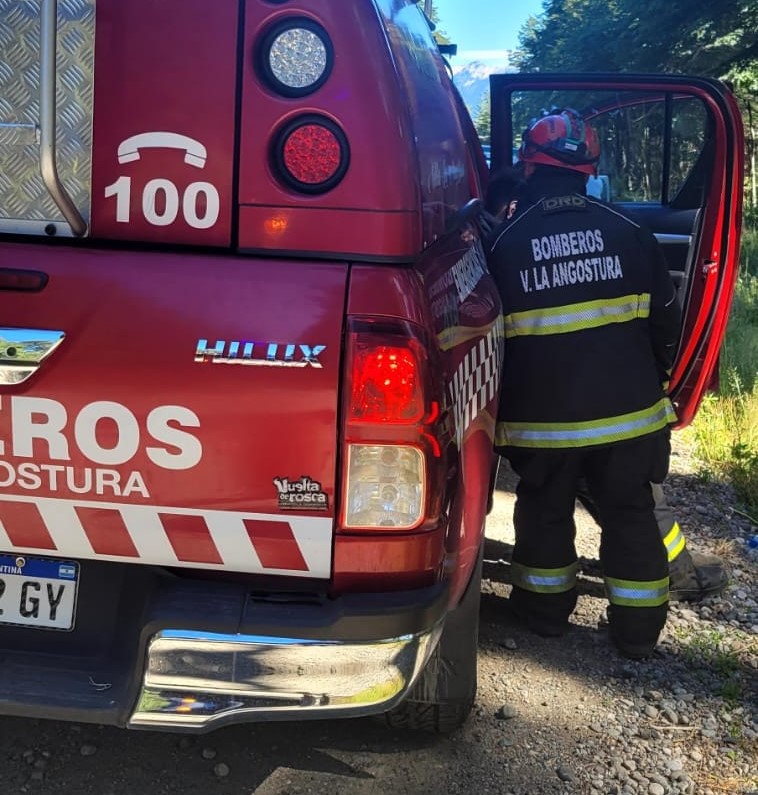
726, 438
726, 427
710, 649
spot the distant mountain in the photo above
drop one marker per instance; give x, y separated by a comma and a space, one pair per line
473, 81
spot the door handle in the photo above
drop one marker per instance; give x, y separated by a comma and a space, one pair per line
710, 266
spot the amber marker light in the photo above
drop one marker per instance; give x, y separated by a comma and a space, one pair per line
275, 226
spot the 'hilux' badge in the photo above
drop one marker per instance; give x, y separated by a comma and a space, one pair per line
263, 354
303, 495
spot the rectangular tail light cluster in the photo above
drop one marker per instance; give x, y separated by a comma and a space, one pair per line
390, 422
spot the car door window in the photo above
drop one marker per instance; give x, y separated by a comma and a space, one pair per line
650, 144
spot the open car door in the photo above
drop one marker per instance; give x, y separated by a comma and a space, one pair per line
672, 157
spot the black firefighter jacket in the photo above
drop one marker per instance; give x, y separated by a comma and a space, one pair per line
591, 325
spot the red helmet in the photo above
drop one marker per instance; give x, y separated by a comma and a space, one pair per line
561, 139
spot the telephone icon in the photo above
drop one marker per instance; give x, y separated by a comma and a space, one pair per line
195, 153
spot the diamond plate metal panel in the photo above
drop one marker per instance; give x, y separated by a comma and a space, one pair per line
23, 196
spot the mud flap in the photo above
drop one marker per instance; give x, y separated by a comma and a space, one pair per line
442, 698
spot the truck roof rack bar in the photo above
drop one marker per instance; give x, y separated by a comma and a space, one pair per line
47, 163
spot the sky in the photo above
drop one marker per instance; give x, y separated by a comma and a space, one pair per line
484, 29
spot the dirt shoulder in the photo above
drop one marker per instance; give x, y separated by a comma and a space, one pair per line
552, 716
685, 721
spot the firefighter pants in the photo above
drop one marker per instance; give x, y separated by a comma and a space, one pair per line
634, 561
683, 575
671, 534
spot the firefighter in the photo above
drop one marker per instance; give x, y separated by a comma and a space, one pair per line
505, 188
693, 576
591, 325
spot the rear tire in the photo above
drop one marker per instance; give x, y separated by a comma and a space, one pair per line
442, 698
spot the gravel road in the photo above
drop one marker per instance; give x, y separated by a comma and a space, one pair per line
552, 715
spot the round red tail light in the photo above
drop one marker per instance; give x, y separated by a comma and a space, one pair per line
311, 154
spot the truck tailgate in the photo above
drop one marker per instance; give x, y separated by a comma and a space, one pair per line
187, 418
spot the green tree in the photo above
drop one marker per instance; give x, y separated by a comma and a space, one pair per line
684, 36
439, 35
650, 36
482, 119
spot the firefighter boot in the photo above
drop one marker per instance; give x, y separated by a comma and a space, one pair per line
634, 631
695, 576
543, 614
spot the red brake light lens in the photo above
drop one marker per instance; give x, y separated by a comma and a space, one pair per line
311, 154
386, 385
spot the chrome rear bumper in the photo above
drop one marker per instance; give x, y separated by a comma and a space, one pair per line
195, 679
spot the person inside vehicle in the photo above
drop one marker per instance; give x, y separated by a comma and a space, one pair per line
591, 326
693, 576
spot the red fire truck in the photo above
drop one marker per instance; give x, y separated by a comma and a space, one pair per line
250, 355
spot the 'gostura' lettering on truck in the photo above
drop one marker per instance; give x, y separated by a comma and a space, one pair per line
41, 429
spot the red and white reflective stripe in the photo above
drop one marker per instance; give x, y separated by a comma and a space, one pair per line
163, 536
476, 381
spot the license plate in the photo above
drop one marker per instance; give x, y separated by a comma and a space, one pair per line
38, 592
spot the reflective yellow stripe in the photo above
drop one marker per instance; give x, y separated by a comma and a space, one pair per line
451, 336
544, 580
674, 541
637, 593
584, 434
577, 317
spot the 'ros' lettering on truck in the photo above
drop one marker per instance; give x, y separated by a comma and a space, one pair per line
41, 428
